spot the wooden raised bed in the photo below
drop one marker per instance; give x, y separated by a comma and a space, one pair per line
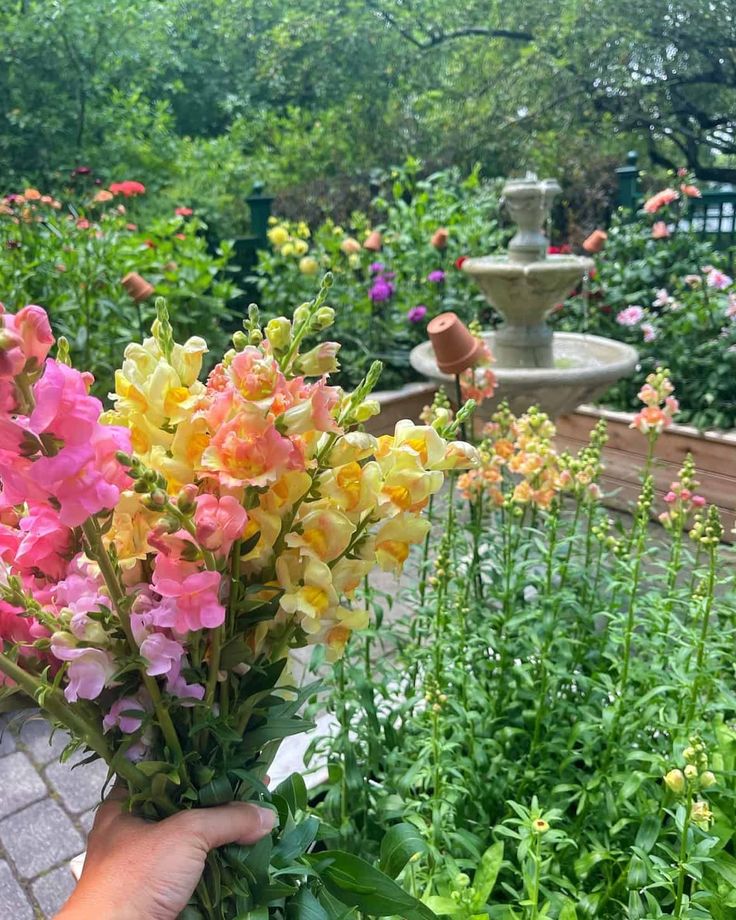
714, 454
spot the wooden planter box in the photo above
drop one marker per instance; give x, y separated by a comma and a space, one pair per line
714, 453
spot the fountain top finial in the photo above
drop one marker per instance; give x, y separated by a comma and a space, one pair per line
529, 203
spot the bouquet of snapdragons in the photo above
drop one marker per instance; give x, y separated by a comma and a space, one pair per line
160, 561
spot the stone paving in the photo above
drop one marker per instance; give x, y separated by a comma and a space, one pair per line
46, 810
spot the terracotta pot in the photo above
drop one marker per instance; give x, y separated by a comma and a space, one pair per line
455, 347
138, 288
596, 241
440, 237
374, 241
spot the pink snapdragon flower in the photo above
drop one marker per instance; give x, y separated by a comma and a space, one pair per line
90, 670
196, 593
25, 340
116, 718
45, 543
219, 522
631, 316
660, 230
161, 654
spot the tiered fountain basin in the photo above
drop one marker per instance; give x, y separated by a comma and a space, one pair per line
584, 367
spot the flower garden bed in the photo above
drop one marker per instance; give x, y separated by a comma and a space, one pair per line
714, 453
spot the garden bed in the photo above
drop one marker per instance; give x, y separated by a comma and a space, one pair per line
714, 453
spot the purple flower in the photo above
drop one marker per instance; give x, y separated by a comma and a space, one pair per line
381, 290
417, 314
437, 276
375, 268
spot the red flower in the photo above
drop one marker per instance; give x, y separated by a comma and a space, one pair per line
183, 212
131, 226
150, 244
129, 188
460, 261
82, 224
563, 250
180, 236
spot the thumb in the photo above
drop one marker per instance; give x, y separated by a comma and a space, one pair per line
236, 822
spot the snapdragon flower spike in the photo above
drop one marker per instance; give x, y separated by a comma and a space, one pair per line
660, 406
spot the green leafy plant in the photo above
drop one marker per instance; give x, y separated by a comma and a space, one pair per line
72, 258
524, 715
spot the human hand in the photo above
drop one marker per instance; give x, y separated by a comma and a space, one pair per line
139, 870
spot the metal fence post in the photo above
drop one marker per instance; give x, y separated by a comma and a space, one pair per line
628, 183
260, 210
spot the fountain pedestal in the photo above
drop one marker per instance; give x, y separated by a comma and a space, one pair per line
534, 366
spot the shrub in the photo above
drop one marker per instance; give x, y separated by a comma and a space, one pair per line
391, 276
656, 288
72, 258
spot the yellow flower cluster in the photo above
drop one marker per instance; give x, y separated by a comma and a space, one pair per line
325, 502
290, 240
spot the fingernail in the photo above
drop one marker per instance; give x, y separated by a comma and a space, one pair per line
266, 818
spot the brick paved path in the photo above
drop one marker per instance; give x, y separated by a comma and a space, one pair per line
46, 810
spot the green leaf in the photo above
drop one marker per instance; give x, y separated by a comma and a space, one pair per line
305, 907
357, 884
444, 907
485, 877
400, 844
217, 792
294, 790
297, 841
648, 833
568, 912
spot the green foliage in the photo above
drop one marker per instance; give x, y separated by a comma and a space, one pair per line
687, 321
70, 259
407, 217
201, 96
552, 667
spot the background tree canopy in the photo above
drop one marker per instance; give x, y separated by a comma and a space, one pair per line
201, 98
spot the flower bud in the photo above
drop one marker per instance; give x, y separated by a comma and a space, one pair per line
367, 409
278, 333
325, 317
240, 340
301, 314
540, 826
708, 779
675, 781
462, 880
691, 771
689, 754
255, 337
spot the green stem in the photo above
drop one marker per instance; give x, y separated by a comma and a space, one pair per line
707, 610
51, 700
682, 871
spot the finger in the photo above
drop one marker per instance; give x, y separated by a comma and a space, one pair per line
237, 822
113, 807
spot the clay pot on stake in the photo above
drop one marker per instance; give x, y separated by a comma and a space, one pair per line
455, 348
139, 290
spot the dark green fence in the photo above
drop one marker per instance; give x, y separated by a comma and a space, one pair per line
712, 217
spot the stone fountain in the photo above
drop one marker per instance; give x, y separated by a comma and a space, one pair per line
533, 365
